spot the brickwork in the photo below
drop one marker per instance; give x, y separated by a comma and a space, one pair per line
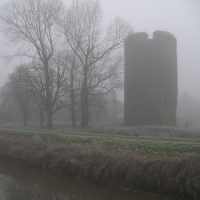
150, 88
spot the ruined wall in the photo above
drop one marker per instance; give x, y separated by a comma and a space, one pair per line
150, 87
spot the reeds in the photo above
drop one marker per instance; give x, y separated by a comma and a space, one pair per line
176, 177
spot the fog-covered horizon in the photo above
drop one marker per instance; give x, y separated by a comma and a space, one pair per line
179, 17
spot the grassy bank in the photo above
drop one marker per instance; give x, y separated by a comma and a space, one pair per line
142, 144
162, 165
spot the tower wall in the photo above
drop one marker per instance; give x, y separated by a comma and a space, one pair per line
150, 88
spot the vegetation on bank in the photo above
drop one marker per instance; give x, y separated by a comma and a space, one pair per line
169, 166
148, 145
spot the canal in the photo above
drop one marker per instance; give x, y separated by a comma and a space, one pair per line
22, 183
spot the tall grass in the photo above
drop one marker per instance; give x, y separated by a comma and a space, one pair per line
148, 146
177, 177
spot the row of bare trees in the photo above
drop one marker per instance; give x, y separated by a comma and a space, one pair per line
71, 59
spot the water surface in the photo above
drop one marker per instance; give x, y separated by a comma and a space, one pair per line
24, 183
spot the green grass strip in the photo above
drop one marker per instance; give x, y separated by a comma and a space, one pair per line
145, 145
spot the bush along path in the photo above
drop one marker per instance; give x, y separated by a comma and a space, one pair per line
175, 177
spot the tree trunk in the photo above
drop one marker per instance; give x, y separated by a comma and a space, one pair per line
41, 118
41, 123
86, 110
25, 120
84, 103
72, 96
73, 110
82, 109
73, 118
48, 96
49, 120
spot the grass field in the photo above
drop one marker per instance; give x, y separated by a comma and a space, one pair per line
158, 160
148, 146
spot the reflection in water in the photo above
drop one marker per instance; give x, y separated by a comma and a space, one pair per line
22, 183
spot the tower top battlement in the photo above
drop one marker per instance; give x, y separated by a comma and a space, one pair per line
143, 36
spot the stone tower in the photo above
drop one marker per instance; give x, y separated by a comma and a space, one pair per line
150, 88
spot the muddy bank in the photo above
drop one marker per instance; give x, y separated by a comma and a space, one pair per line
175, 177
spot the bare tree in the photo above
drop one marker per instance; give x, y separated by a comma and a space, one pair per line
58, 85
73, 90
37, 82
98, 108
17, 90
96, 48
116, 110
33, 24
188, 111
73, 67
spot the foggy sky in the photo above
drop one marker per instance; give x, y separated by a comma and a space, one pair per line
179, 17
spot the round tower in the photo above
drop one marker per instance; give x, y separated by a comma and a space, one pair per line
150, 88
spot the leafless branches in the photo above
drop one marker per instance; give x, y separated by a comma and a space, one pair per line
89, 65
34, 22
95, 48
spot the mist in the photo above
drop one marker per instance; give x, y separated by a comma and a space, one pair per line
179, 17
103, 91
